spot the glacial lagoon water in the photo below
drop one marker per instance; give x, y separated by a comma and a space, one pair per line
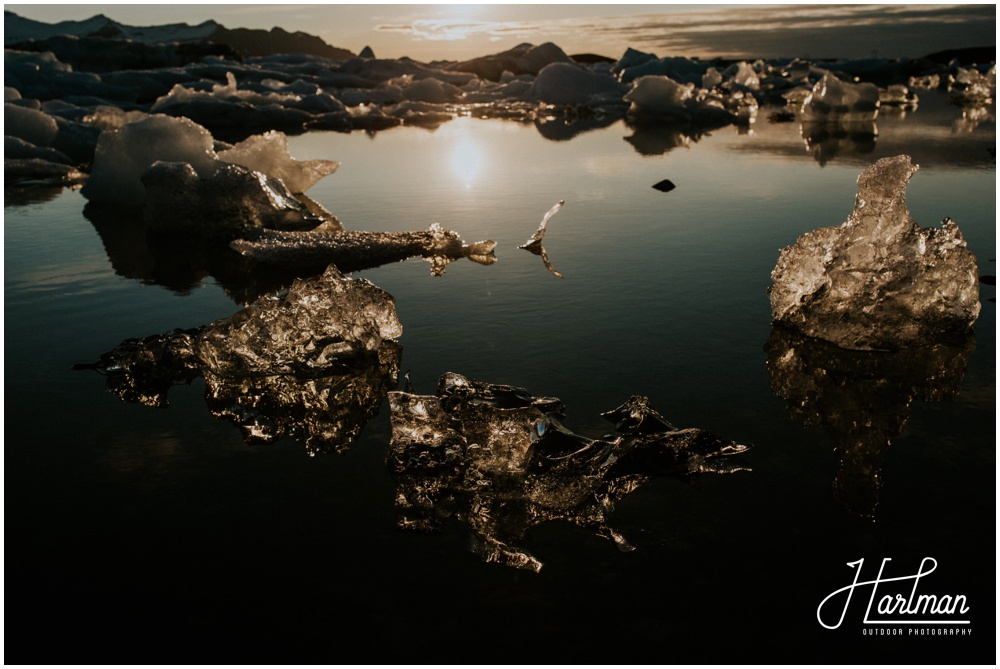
156, 534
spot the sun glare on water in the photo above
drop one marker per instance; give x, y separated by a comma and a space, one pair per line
466, 157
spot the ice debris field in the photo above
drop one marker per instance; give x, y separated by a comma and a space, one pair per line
196, 137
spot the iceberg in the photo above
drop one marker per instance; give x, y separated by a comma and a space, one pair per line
224, 205
499, 460
879, 280
31, 125
570, 84
170, 166
123, 155
314, 363
972, 88
836, 101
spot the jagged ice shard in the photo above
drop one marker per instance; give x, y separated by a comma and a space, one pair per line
314, 363
351, 249
879, 280
499, 460
170, 167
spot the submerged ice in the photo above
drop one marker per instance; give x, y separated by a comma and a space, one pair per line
879, 280
499, 460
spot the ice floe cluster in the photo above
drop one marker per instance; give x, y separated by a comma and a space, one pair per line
58, 99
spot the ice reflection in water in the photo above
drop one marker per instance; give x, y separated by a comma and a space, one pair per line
861, 398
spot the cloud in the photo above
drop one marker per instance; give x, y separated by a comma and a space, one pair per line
457, 29
836, 30
745, 31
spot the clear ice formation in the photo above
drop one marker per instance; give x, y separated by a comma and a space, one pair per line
169, 165
317, 326
351, 249
223, 205
862, 399
972, 88
123, 155
879, 280
314, 363
268, 154
836, 101
499, 460
534, 243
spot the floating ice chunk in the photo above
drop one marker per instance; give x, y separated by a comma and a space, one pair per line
223, 205
315, 363
123, 155
879, 281
742, 74
657, 96
570, 84
432, 90
534, 243
107, 117
711, 78
17, 148
350, 250
971, 88
833, 100
500, 460
39, 172
268, 153
182, 95
898, 95
317, 326
30, 125
661, 99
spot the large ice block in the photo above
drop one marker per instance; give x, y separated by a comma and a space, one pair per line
499, 460
878, 281
314, 363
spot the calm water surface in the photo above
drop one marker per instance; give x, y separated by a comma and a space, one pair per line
147, 535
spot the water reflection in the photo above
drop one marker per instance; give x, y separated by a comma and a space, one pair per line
567, 125
182, 262
861, 398
498, 460
314, 364
656, 139
826, 141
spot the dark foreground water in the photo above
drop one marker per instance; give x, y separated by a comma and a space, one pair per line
137, 534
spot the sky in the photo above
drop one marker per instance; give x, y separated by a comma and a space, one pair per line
464, 31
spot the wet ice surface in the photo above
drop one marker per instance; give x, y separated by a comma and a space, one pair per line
313, 363
240, 548
879, 280
500, 461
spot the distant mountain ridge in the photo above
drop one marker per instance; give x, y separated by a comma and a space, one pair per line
245, 41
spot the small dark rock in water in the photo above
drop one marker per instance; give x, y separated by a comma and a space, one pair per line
665, 186
783, 116
988, 279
